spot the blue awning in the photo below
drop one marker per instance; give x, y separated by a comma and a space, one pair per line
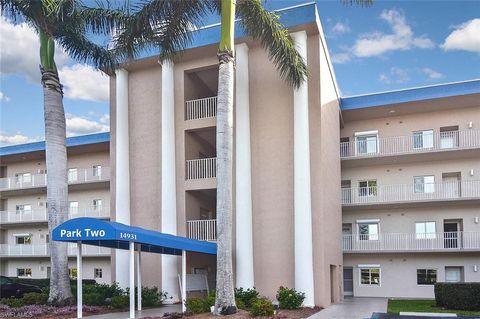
92, 231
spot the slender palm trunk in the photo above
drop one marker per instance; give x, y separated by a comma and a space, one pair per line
56, 163
225, 299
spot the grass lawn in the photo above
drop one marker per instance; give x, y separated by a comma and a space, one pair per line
396, 306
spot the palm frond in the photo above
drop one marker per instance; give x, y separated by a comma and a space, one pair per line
265, 27
103, 18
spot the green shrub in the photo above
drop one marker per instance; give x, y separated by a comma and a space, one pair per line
152, 297
35, 298
289, 298
210, 301
93, 299
197, 305
240, 304
120, 302
12, 302
262, 307
246, 296
458, 296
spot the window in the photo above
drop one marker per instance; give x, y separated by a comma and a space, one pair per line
449, 137
24, 272
368, 231
425, 230
97, 170
424, 184
367, 188
72, 272
24, 240
72, 174
423, 139
366, 143
23, 177
453, 274
97, 204
370, 276
97, 273
73, 207
23, 208
426, 276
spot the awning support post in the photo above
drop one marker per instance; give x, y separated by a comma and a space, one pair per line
132, 279
184, 280
79, 280
139, 277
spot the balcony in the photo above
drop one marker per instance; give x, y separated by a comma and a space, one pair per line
43, 250
410, 193
412, 144
34, 216
201, 108
409, 242
81, 176
205, 230
203, 168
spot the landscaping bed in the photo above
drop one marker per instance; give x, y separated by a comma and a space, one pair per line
396, 306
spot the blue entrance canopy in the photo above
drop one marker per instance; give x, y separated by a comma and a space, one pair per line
92, 231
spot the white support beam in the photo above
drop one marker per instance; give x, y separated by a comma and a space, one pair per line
184, 280
243, 172
304, 279
79, 281
169, 197
139, 277
122, 169
132, 279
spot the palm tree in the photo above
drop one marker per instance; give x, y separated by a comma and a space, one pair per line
168, 25
65, 23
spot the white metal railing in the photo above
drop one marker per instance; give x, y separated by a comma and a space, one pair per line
41, 214
202, 229
201, 108
412, 242
411, 192
410, 144
44, 250
82, 175
201, 168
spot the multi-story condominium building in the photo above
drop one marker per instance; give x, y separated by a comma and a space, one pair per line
24, 235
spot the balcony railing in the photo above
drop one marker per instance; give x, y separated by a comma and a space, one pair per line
398, 145
41, 215
448, 241
82, 175
201, 108
44, 250
201, 168
411, 193
202, 229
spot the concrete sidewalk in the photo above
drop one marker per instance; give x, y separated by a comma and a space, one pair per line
353, 308
139, 314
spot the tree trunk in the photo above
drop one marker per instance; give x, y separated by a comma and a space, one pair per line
57, 184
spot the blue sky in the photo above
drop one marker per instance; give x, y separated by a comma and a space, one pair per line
390, 45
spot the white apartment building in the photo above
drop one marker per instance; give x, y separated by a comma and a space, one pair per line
24, 235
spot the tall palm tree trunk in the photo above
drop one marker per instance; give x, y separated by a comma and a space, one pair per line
56, 164
225, 299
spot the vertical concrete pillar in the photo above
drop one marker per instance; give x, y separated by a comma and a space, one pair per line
122, 171
302, 191
169, 190
243, 173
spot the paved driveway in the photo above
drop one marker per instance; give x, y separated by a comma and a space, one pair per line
353, 308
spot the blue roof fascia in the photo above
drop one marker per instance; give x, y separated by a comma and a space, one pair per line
289, 17
93, 231
410, 95
40, 146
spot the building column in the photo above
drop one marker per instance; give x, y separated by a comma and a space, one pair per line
243, 175
302, 192
169, 188
122, 171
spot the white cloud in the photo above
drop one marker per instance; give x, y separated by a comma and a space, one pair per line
395, 75
401, 38
20, 51
340, 28
4, 98
17, 138
340, 58
465, 37
105, 119
80, 126
82, 82
432, 74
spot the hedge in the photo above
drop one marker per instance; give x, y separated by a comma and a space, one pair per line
458, 296
45, 282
